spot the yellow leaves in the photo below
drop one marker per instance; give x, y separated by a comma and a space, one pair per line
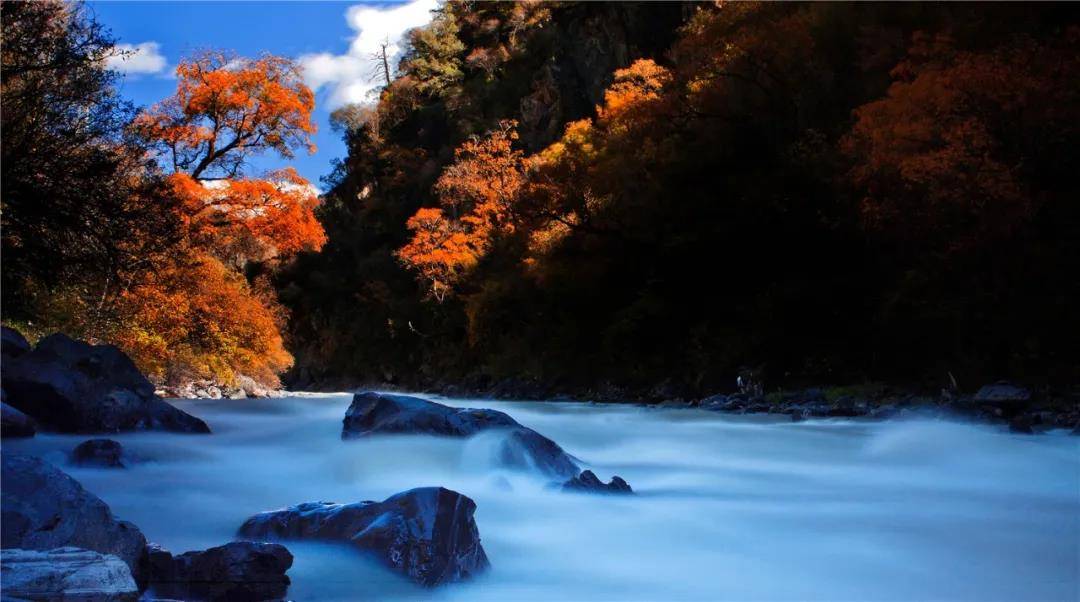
199, 320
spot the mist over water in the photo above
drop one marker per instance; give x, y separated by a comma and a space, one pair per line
727, 507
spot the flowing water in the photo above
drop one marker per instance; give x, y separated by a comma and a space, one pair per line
727, 507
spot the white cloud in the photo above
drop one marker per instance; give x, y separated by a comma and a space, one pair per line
350, 75
139, 59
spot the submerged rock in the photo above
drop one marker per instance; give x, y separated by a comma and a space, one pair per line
428, 534
588, 482
43, 508
66, 573
74, 387
371, 413
103, 453
14, 423
240, 570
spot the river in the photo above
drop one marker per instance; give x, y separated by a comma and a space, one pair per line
727, 507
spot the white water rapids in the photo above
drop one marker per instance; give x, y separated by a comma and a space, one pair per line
727, 507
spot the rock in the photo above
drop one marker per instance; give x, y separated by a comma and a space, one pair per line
1021, 424
74, 387
12, 343
14, 423
372, 413
103, 453
66, 573
587, 481
428, 534
524, 448
1003, 393
240, 570
42, 508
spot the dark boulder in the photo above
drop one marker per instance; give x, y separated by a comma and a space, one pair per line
241, 570
14, 423
1003, 393
428, 534
588, 482
527, 449
373, 413
67, 573
12, 343
74, 387
42, 508
103, 453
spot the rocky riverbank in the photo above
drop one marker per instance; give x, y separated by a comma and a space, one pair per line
1022, 409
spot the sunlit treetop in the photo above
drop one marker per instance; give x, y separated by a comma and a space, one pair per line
226, 109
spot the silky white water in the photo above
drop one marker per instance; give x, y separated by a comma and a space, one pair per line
727, 507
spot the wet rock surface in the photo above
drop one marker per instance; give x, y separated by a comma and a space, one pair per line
101, 453
240, 570
66, 573
43, 508
428, 534
14, 423
373, 413
588, 482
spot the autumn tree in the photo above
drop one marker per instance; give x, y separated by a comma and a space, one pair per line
225, 110
78, 220
476, 196
962, 147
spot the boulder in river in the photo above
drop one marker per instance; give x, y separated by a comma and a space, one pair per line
66, 573
372, 413
42, 508
428, 534
1003, 393
14, 423
74, 387
102, 453
588, 482
240, 570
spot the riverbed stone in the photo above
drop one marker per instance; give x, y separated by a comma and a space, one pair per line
102, 453
588, 482
42, 508
74, 387
14, 423
375, 413
241, 570
66, 573
428, 534
1003, 393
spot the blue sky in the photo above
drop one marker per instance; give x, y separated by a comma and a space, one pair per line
331, 40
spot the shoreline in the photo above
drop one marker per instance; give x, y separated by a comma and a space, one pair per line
1020, 409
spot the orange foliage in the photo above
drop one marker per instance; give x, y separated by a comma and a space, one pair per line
196, 319
932, 157
246, 219
477, 194
225, 108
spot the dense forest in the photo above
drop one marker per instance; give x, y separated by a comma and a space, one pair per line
569, 197
586, 196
